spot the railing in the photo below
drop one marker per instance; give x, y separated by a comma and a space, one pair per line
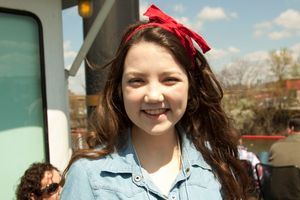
260, 144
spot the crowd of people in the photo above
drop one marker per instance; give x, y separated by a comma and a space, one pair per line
160, 130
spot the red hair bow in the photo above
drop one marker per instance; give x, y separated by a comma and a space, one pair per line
185, 35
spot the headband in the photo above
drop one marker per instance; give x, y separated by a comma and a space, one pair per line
185, 35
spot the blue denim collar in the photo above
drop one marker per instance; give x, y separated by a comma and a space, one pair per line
190, 154
125, 161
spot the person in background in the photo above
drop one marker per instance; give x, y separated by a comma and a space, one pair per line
286, 151
160, 131
244, 154
41, 181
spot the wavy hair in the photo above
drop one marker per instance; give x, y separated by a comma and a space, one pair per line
204, 120
30, 183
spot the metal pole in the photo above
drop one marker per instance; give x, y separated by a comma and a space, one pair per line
90, 37
122, 14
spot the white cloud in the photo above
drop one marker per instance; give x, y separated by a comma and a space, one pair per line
258, 33
212, 14
77, 83
261, 28
295, 49
232, 49
257, 56
289, 19
217, 54
69, 53
197, 26
185, 21
193, 25
284, 26
179, 8
67, 44
143, 7
278, 35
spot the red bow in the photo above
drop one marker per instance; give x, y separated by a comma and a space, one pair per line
185, 35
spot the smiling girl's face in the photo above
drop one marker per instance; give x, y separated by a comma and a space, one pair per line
154, 87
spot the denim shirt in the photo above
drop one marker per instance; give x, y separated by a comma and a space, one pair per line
118, 176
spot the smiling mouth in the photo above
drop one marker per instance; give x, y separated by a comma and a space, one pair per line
156, 111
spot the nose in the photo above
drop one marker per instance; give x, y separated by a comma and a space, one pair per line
153, 94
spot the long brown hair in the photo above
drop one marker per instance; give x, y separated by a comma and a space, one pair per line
204, 121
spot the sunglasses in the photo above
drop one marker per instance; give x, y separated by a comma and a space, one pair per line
51, 189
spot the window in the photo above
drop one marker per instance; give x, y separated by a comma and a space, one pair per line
23, 138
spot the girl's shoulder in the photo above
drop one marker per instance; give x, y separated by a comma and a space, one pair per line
85, 165
113, 163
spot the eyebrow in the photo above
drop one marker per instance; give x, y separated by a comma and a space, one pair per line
135, 73
172, 73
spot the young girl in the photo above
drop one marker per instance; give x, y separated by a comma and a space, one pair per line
160, 130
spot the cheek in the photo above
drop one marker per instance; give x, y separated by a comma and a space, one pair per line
133, 94
131, 98
179, 94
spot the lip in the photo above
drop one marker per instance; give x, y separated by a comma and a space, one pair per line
155, 113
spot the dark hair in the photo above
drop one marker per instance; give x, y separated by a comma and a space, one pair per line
294, 122
30, 183
204, 120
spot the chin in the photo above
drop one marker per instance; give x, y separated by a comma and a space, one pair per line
159, 130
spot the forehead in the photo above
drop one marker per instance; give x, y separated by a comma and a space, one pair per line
151, 56
49, 177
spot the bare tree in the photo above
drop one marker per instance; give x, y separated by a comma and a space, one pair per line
280, 61
295, 70
255, 95
234, 74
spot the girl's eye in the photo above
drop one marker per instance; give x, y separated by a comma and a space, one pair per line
135, 81
171, 80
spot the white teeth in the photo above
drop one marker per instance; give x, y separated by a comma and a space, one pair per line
155, 111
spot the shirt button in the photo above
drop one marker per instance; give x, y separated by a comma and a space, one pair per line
173, 197
187, 170
137, 178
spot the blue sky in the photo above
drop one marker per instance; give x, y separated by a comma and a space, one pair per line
235, 29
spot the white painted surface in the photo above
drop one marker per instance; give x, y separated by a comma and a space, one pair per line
50, 14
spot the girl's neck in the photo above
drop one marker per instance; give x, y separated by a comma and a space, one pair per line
155, 151
154, 143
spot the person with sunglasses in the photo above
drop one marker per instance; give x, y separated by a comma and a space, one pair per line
41, 181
